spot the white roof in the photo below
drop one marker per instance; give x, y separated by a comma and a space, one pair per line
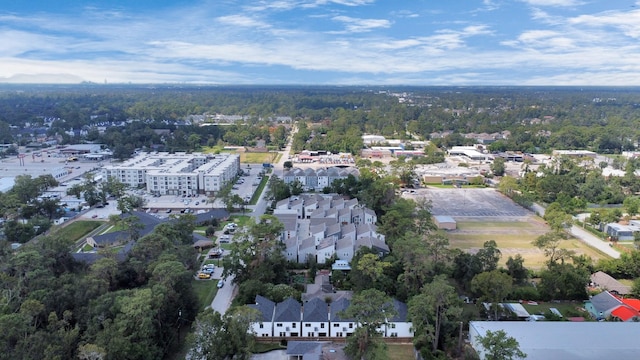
569, 340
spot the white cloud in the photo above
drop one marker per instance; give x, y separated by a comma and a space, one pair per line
241, 20
356, 25
554, 3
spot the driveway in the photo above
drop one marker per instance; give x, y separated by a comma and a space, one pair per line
271, 355
223, 298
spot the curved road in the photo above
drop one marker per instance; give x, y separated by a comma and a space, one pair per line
584, 236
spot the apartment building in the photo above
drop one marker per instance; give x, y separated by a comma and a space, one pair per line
176, 174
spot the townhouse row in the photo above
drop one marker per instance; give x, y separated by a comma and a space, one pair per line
324, 226
317, 319
317, 179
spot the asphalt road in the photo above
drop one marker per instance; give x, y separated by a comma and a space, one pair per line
585, 236
594, 241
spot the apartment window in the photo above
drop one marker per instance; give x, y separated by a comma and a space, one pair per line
393, 326
293, 325
336, 325
261, 326
279, 325
350, 325
322, 325
307, 325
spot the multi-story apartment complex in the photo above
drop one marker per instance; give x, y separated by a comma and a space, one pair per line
176, 174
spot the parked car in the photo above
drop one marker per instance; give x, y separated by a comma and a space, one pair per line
224, 238
204, 275
208, 271
220, 284
208, 266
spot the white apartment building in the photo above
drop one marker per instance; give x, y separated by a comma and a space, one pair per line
176, 174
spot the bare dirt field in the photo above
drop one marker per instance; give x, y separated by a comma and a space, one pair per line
485, 214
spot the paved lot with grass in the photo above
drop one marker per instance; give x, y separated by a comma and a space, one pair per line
485, 214
472, 202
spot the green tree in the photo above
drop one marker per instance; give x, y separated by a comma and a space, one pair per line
550, 244
516, 269
257, 252
498, 166
221, 337
436, 305
563, 281
498, 346
631, 205
492, 286
370, 308
489, 255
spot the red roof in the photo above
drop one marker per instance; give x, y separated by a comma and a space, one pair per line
624, 313
633, 303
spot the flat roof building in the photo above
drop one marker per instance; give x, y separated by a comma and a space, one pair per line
543, 340
176, 174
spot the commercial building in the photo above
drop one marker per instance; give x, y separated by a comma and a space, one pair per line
176, 174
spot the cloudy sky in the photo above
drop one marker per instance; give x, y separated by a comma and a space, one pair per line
340, 42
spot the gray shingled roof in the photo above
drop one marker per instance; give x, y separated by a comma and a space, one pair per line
288, 310
604, 302
265, 307
315, 310
401, 311
337, 307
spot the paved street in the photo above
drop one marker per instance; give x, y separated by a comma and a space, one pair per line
585, 236
594, 241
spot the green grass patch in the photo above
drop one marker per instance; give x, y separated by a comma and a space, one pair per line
114, 228
259, 190
226, 246
567, 309
205, 291
257, 158
77, 229
241, 220
87, 248
260, 347
400, 352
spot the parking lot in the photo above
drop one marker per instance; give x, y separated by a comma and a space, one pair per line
472, 202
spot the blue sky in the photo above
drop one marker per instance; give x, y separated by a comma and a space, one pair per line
322, 42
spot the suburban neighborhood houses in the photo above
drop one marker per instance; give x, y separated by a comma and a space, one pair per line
316, 319
448, 224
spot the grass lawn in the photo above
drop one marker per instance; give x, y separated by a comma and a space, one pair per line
400, 352
205, 291
77, 229
259, 190
257, 158
226, 246
87, 247
567, 309
512, 238
241, 220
